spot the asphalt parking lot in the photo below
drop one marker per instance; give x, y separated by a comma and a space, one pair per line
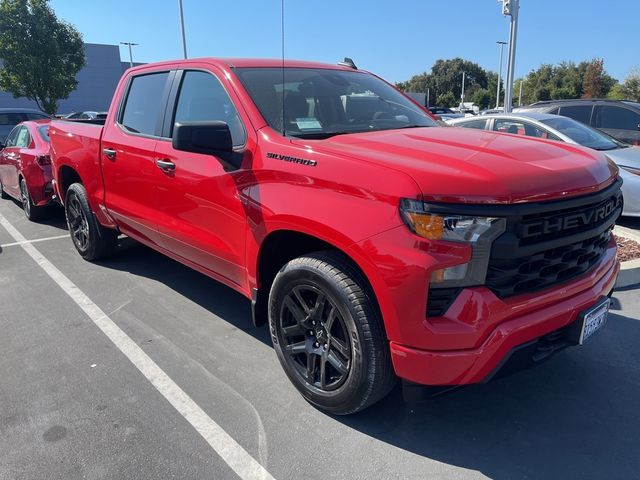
73, 406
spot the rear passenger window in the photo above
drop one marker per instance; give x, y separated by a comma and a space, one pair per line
202, 98
144, 103
580, 113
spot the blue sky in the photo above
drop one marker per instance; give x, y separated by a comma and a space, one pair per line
395, 39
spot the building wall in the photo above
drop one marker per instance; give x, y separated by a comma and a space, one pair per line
96, 82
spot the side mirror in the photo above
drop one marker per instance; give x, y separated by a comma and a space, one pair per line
2, 145
209, 137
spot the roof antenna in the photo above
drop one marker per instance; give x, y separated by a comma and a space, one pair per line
347, 62
284, 130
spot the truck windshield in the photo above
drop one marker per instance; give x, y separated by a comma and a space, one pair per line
319, 103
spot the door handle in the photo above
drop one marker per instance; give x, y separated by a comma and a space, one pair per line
110, 153
165, 165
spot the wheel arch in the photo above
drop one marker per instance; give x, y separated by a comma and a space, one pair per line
282, 245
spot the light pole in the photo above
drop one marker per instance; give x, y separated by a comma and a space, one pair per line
520, 94
510, 8
462, 95
502, 44
130, 54
184, 38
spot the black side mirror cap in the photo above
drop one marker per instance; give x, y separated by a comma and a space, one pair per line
208, 137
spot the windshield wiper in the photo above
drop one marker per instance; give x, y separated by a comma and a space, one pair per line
315, 135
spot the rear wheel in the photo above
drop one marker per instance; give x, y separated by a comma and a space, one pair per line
92, 240
32, 212
328, 334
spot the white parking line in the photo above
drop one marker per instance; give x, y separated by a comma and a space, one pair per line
242, 463
45, 239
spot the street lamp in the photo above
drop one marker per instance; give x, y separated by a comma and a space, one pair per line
184, 38
510, 8
502, 44
462, 95
130, 54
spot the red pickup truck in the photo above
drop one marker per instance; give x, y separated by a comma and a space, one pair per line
376, 244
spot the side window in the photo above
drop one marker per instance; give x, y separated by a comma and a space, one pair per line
513, 127
11, 138
479, 124
618, 118
580, 113
24, 139
143, 103
35, 116
202, 97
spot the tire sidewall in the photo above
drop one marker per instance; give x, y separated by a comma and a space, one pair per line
356, 380
78, 191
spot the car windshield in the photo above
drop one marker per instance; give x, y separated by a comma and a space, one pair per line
582, 134
319, 103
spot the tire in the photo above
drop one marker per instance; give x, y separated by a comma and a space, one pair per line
344, 366
31, 211
3, 194
92, 240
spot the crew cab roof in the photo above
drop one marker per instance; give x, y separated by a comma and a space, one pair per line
246, 63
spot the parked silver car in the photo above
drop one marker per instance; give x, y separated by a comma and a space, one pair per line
564, 129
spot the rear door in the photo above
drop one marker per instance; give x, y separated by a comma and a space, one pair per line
128, 154
201, 217
619, 122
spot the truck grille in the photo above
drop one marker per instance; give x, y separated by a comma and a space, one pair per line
549, 247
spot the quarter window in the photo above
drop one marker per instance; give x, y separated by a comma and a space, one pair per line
24, 139
144, 103
203, 98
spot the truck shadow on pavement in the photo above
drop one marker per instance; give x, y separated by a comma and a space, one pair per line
209, 294
575, 416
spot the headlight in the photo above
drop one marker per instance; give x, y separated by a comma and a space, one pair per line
634, 170
424, 220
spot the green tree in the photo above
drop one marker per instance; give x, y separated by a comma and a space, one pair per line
482, 97
631, 86
447, 100
616, 92
41, 55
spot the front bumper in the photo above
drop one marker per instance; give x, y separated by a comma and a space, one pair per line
474, 365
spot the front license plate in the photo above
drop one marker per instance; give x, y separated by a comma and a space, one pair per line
593, 320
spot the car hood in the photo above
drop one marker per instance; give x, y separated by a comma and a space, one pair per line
475, 166
629, 156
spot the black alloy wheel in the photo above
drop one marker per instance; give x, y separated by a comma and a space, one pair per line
314, 337
92, 240
328, 334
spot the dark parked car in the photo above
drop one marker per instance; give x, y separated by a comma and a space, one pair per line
10, 117
618, 118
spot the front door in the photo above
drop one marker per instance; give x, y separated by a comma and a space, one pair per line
10, 163
201, 217
128, 156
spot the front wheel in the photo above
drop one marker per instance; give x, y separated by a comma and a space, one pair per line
92, 240
328, 334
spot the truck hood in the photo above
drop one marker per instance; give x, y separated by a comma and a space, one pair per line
473, 166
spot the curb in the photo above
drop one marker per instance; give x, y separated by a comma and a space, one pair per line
630, 270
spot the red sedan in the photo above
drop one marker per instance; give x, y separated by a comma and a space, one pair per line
25, 167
